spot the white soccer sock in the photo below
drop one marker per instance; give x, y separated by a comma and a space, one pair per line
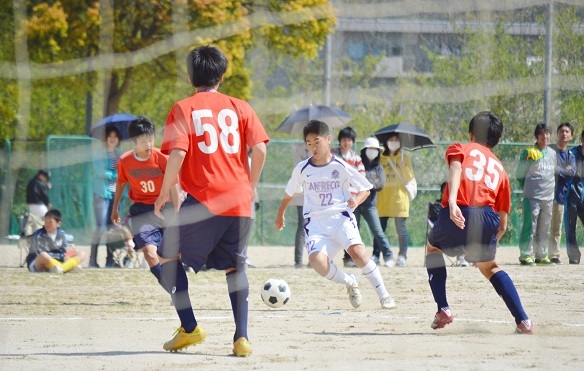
373, 275
338, 276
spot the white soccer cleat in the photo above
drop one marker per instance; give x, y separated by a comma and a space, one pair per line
387, 303
354, 293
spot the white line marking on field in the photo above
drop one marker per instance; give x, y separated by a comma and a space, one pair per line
279, 315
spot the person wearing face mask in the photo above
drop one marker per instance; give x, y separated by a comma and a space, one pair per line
370, 154
347, 138
393, 201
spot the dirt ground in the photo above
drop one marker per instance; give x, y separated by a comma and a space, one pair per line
118, 319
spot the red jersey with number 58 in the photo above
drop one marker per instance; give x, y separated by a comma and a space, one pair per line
215, 130
483, 181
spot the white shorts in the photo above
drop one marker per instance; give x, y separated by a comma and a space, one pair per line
38, 209
331, 234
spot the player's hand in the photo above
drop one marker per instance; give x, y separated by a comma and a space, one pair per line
280, 222
115, 217
457, 217
159, 204
352, 203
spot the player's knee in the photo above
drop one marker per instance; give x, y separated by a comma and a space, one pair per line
237, 280
319, 262
435, 261
488, 269
150, 254
357, 252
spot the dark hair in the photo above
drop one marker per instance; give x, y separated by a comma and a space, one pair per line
369, 164
386, 151
44, 173
112, 129
539, 128
142, 125
442, 186
315, 127
347, 132
206, 65
55, 214
486, 128
566, 124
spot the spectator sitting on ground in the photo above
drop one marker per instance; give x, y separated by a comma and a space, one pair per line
48, 248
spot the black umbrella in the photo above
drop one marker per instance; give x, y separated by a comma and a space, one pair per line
119, 120
331, 116
410, 136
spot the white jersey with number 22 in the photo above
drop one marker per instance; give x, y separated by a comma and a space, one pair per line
327, 188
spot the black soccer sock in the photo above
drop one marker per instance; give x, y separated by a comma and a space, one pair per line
507, 291
437, 274
156, 272
238, 287
173, 273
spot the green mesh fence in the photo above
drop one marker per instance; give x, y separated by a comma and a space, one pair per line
6, 189
429, 168
69, 160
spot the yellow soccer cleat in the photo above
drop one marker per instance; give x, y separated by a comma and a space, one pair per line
241, 347
182, 339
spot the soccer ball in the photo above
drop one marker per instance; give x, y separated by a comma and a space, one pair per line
275, 292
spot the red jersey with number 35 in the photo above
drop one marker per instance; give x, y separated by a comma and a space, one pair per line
144, 175
215, 130
483, 181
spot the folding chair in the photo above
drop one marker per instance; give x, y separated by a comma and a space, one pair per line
123, 255
28, 224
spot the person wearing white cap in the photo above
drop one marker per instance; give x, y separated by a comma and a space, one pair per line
370, 155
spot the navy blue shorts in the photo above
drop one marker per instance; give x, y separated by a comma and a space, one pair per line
478, 239
146, 227
203, 238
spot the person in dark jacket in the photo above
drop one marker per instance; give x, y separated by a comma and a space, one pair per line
37, 193
565, 169
574, 208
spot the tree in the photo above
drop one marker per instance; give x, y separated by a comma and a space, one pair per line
133, 33
500, 72
569, 54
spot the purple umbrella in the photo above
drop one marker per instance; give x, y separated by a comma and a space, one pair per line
119, 120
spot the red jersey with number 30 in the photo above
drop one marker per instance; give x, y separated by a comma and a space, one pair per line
144, 175
215, 130
483, 181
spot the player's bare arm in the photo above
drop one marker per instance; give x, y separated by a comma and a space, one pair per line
280, 222
175, 197
258, 158
502, 224
115, 217
358, 199
175, 161
454, 173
